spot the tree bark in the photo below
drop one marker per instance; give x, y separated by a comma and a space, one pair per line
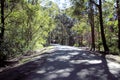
91, 19
106, 49
2, 22
2, 28
118, 15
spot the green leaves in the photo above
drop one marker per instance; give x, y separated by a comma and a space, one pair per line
81, 27
27, 26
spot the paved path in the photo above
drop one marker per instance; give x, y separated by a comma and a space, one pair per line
70, 63
66, 63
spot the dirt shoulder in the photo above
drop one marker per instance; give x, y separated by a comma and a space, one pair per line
27, 57
25, 65
114, 58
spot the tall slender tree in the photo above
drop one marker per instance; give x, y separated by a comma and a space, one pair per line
2, 28
118, 15
106, 49
91, 20
2, 21
102, 27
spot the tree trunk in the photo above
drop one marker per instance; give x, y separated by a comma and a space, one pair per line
91, 18
2, 56
2, 22
106, 49
118, 15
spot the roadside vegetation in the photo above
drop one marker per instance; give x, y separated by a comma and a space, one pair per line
30, 25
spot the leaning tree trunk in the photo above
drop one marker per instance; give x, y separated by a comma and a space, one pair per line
106, 49
118, 15
91, 19
2, 22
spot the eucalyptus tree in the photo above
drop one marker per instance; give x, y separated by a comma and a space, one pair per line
118, 15
2, 26
82, 8
99, 6
91, 21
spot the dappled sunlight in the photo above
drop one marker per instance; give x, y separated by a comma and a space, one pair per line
51, 59
62, 58
68, 63
55, 73
88, 74
83, 74
86, 61
94, 61
73, 53
51, 76
67, 48
60, 71
114, 67
41, 71
59, 39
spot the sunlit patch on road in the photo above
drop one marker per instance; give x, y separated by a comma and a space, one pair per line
114, 67
86, 61
71, 63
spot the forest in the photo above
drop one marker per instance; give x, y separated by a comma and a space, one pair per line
28, 25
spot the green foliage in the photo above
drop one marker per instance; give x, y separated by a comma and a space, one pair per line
62, 32
81, 28
27, 27
30, 26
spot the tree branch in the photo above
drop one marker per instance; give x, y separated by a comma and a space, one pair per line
10, 11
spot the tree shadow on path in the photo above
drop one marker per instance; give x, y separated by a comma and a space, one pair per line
66, 64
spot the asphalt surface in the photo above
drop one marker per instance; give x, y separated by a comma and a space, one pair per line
71, 63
